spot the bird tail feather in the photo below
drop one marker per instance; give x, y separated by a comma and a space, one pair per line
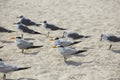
34, 47
86, 36
80, 51
23, 68
76, 42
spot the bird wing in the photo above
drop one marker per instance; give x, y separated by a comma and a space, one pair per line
114, 38
5, 68
68, 51
53, 27
24, 44
65, 43
25, 29
75, 35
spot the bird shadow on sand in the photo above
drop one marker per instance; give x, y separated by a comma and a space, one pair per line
31, 53
81, 55
23, 79
73, 63
5, 41
116, 51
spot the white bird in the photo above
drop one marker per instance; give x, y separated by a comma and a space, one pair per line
110, 38
61, 42
66, 51
24, 44
6, 68
73, 35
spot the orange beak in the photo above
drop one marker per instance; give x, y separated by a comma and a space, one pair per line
54, 47
12, 38
51, 39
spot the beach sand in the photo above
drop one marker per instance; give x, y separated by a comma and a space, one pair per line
87, 17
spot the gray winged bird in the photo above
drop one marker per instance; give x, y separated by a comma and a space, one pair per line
73, 35
50, 27
24, 44
25, 29
2, 29
27, 21
64, 43
110, 38
6, 68
66, 51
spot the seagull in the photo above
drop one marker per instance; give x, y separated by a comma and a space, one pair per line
24, 44
27, 22
73, 35
25, 29
50, 27
110, 38
6, 68
66, 51
64, 43
5, 30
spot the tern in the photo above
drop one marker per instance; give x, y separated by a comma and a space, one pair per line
110, 38
66, 51
50, 27
27, 21
73, 35
24, 44
6, 68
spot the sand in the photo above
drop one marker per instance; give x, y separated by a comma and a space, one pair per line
87, 17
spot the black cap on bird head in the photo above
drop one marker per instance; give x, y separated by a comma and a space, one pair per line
21, 16
60, 46
1, 59
19, 37
44, 21
56, 38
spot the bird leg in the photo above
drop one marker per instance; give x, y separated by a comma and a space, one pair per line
21, 35
22, 50
4, 77
110, 46
48, 34
65, 59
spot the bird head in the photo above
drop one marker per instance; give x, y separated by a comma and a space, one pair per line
13, 38
104, 37
44, 21
21, 16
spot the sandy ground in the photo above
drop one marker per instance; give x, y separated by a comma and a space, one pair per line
87, 17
